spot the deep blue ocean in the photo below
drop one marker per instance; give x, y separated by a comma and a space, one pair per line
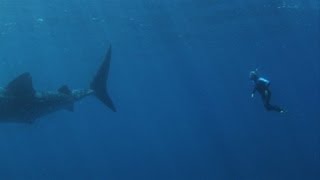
179, 79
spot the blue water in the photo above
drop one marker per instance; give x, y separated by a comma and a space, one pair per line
179, 79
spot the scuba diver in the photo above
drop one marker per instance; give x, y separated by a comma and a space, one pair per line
262, 86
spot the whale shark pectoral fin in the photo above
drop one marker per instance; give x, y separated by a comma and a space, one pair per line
21, 86
65, 90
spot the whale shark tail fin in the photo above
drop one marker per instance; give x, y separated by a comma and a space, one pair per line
99, 82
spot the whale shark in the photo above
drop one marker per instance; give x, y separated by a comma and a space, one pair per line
21, 103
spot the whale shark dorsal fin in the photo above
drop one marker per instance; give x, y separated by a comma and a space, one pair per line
21, 86
65, 90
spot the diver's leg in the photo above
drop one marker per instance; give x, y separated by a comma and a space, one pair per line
270, 107
267, 96
267, 104
266, 99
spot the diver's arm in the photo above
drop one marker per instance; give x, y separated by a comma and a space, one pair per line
253, 91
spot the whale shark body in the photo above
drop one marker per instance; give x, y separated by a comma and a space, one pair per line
20, 103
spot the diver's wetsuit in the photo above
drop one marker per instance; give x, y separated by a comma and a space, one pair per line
262, 86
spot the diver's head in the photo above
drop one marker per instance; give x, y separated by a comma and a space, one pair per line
253, 75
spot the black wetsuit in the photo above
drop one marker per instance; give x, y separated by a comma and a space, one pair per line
262, 86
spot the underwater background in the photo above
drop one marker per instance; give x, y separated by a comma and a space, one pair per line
179, 80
